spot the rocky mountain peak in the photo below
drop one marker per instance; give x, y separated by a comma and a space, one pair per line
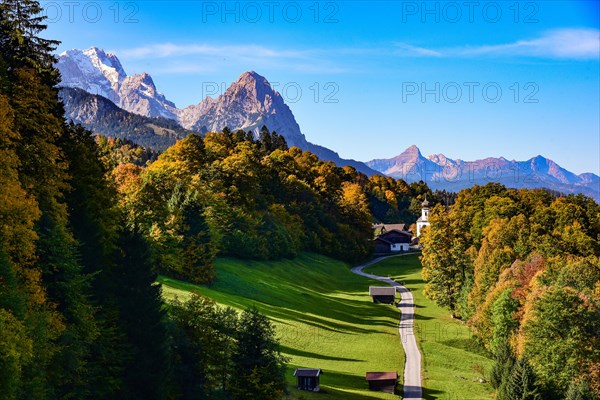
99, 72
412, 150
252, 86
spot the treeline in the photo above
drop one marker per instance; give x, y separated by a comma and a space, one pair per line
115, 151
523, 268
81, 316
106, 118
231, 194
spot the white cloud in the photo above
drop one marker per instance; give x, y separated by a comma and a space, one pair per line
408, 50
576, 44
560, 43
228, 51
205, 58
197, 58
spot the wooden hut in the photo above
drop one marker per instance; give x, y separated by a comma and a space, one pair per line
308, 379
383, 294
382, 381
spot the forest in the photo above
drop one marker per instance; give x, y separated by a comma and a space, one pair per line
106, 118
87, 223
522, 268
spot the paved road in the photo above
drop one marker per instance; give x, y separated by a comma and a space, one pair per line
412, 367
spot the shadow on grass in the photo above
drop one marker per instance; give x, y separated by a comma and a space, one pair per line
469, 344
322, 305
422, 317
334, 384
301, 353
429, 394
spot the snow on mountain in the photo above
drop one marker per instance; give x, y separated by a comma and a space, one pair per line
249, 103
441, 172
91, 70
101, 73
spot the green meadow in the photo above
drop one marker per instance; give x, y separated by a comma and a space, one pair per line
323, 315
326, 319
451, 357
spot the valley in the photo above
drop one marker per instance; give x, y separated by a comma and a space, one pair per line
326, 319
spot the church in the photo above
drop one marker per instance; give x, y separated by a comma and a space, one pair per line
423, 220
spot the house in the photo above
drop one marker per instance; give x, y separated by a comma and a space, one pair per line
392, 241
383, 294
383, 228
382, 381
423, 220
308, 379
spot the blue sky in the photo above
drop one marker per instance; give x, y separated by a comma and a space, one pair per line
469, 79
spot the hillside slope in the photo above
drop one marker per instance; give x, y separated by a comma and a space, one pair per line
102, 116
323, 315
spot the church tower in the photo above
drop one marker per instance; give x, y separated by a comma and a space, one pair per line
424, 219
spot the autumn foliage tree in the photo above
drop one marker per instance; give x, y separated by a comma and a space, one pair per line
533, 297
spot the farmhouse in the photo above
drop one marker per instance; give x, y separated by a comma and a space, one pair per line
308, 379
392, 241
383, 294
383, 228
382, 381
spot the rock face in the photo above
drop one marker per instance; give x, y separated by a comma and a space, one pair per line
249, 103
102, 116
441, 172
100, 73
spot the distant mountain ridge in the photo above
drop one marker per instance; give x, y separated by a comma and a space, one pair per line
441, 172
115, 104
249, 103
100, 115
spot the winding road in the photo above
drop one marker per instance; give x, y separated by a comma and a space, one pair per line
412, 367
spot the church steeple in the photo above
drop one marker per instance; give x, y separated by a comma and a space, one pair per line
425, 210
423, 221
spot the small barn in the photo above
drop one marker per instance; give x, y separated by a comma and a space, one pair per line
383, 294
308, 379
382, 381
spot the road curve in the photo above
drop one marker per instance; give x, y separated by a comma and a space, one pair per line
412, 367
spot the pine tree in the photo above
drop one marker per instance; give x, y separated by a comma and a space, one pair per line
521, 383
579, 390
198, 253
503, 365
258, 363
67, 372
141, 318
21, 22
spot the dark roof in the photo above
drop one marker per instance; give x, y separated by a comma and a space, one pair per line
407, 233
396, 236
308, 372
382, 376
389, 227
380, 239
425, 203
382, 291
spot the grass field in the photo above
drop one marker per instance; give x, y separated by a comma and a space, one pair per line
323, 314
449, 352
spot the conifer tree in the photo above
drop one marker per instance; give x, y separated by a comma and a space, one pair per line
258, 363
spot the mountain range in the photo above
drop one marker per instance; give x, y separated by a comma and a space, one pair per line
441, 172
249, 103
99, 94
